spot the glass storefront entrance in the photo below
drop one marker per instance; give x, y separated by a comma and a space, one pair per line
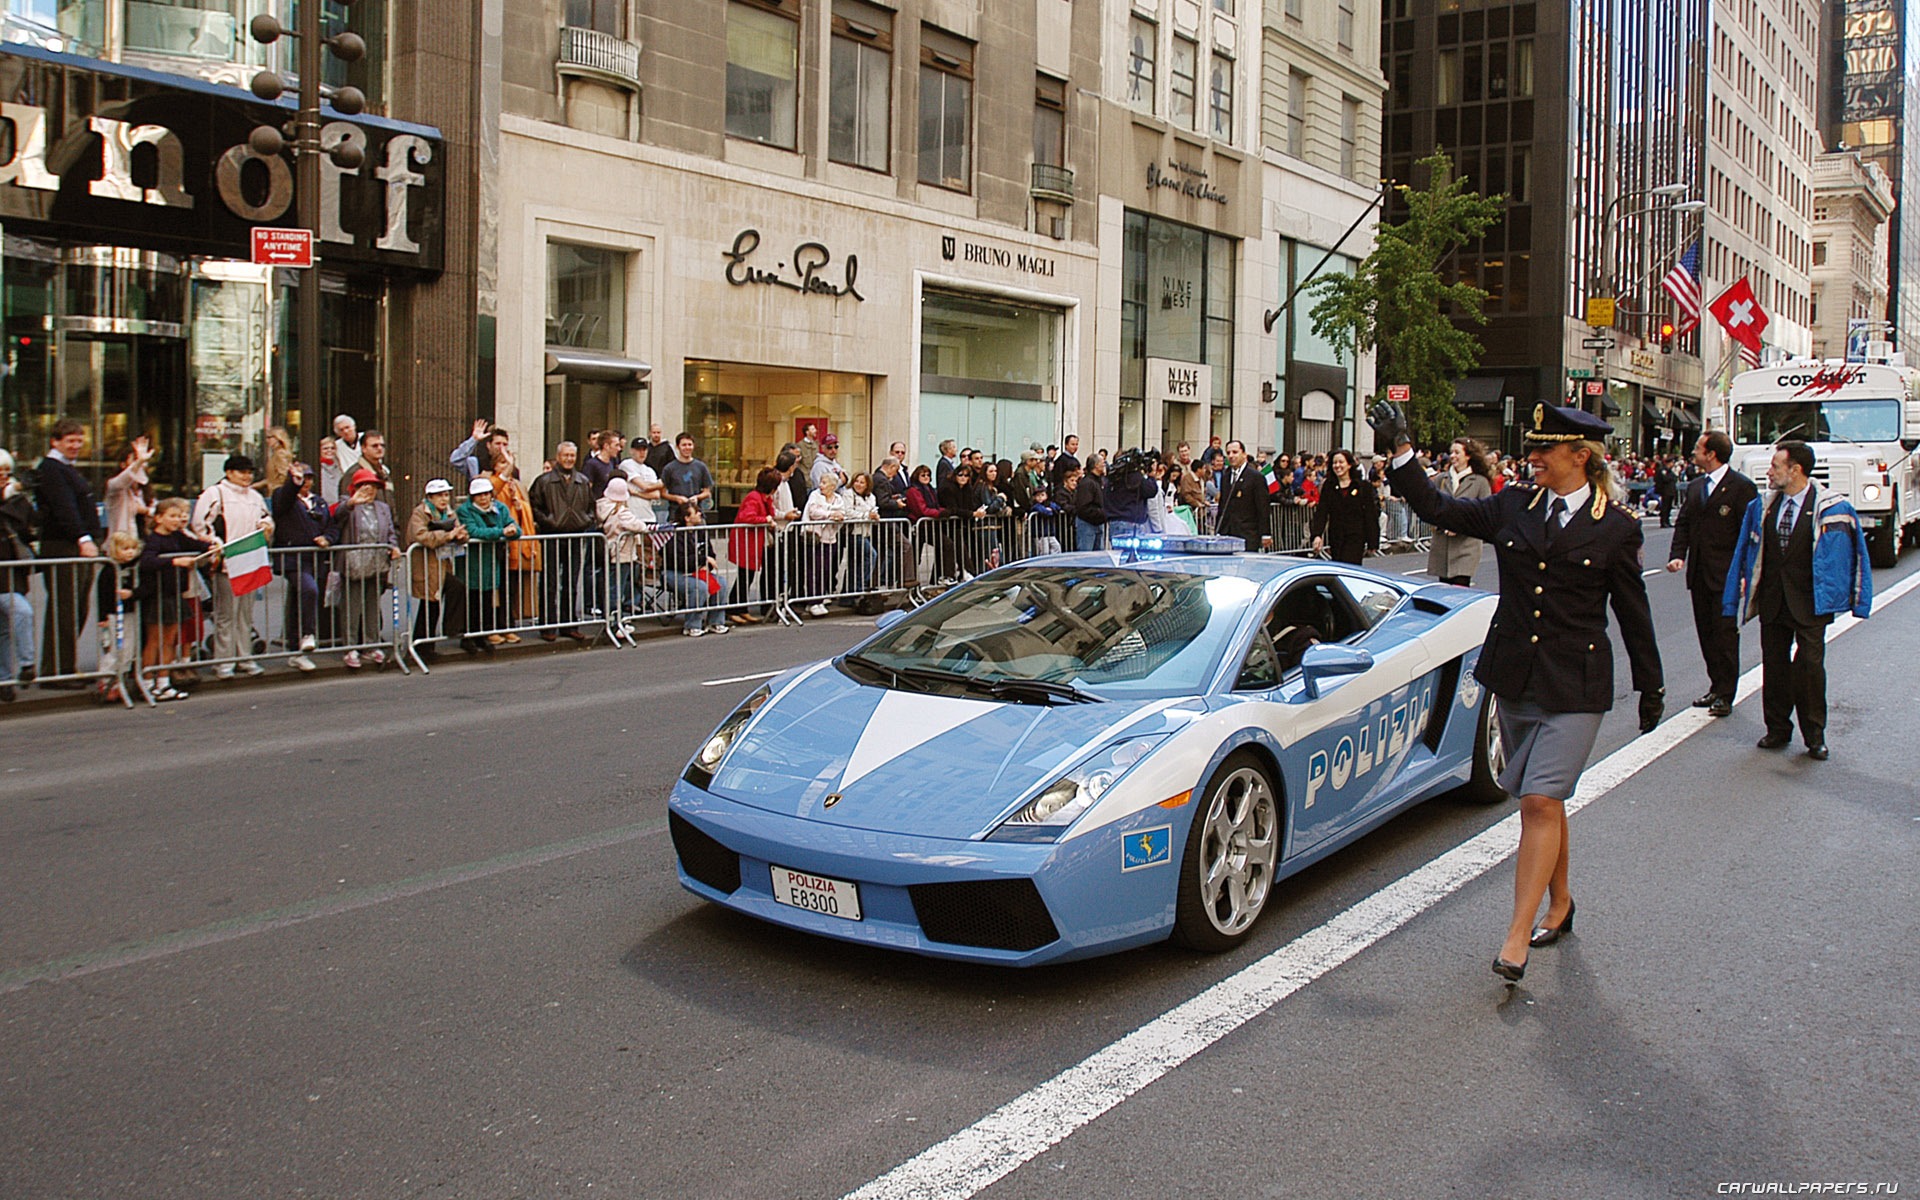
1176, 303
989, 374
741, 414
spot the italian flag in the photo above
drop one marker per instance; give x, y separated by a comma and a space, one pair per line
247, 567
1273, 481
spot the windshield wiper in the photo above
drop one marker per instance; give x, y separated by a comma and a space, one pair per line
1028, 690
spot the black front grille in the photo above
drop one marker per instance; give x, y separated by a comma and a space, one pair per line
703, 858
998, 914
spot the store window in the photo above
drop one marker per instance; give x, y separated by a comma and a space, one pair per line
989, 374
860, 96
1176, 289
1143, 44
741, 414
587, 310
762, 70
946, 110
1183, 71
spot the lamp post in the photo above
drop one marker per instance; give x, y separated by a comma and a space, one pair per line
1601, 279
302, 136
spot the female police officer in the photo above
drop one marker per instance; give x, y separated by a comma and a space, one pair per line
1564, 550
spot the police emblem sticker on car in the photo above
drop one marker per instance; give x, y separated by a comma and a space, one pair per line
1146, 848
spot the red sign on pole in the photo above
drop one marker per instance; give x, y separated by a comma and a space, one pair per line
283, 247
1399, 393
1596, 387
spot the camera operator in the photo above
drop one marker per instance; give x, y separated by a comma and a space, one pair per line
1128, 490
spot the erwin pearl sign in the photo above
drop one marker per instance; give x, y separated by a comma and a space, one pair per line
92, 152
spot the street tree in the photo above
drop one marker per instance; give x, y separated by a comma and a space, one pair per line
1397, 303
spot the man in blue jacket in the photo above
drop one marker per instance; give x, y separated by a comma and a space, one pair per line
1801, 558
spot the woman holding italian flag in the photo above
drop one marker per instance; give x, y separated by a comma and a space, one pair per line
233, 515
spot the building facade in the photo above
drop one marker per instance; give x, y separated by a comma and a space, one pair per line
1321, 99
127, 201
1573, 114
741, 219
1852, 201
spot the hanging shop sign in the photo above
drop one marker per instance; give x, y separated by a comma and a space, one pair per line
102, 153
1169, 379
806, 269
958, 250
1184, 178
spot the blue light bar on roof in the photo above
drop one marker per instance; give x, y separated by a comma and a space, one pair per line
1169, 545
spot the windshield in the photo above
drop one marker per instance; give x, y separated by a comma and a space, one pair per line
1115, 632
1817, 421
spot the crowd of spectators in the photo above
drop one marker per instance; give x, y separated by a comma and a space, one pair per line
625, 525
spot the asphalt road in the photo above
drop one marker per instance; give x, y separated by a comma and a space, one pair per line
359, 937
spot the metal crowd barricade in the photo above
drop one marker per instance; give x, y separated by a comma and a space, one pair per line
829, 562
1048, 533
1292, 527
329, 600
70, 625
494, 591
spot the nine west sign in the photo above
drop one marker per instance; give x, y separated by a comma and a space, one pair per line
100, 153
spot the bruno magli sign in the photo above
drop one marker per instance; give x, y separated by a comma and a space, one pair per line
102, 153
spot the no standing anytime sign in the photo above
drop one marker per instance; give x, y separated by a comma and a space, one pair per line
283, 247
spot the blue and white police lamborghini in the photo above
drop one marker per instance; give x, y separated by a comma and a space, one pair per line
1076, 754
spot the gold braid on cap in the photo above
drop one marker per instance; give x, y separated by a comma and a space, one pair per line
1537, 434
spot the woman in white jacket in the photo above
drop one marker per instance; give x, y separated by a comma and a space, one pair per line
827, 512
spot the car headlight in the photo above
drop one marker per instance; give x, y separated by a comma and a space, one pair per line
1061, 802
713, 751
1870, 492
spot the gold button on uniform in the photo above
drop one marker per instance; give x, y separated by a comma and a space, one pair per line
1543, 566
1536, 612
1534, 638
1537, 590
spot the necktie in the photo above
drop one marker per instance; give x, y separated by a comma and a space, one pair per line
1787, 512
1555, 511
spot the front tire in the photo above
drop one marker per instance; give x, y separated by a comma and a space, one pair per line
1489, 756
1883, 546
1233, 848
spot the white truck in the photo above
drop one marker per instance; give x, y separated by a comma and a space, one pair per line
1862, 420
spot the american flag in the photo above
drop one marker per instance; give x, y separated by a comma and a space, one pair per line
1749, 355
1683, 284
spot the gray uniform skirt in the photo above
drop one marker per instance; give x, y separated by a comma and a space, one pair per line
1546, 751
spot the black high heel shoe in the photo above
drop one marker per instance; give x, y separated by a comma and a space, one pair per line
1511, 972
1547, 935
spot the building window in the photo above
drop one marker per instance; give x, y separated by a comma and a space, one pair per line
1225, 6
1220, 98
1050, 123
762, 70
586, 307
1297, 114
946, 104
1446, 78
1182, 78
1344, 26
1176, 302
1349, 137
1819, 254
860, 87
1293, 9
1522, 82
1143, 39
601, 16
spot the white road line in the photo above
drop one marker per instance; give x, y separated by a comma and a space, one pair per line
1421, 571
744, 678
1027, 1126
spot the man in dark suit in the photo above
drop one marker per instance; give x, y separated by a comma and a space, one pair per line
1793, 632
1067, 460
1243, 499
69, 528
1704, 537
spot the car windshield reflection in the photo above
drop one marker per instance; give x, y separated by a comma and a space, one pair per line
1104, 632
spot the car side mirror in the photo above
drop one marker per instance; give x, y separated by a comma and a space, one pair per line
1330, 659
890, 618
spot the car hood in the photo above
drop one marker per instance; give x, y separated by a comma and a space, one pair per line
908, 762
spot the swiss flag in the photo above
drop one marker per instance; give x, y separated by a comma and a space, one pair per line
1738, 311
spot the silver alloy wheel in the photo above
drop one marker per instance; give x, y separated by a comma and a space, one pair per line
1496, 749
1240, 843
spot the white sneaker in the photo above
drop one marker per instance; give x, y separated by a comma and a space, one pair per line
719, 629
302, 663
696, 631
308, 645
223, 671
377, 657
818, 610
252, 668
352, 660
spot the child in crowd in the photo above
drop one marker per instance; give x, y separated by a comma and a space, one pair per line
111, 593
165, 590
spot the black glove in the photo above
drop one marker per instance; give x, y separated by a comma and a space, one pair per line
1390, 427
1653, 706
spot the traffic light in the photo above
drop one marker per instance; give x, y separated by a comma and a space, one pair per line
1666, 335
